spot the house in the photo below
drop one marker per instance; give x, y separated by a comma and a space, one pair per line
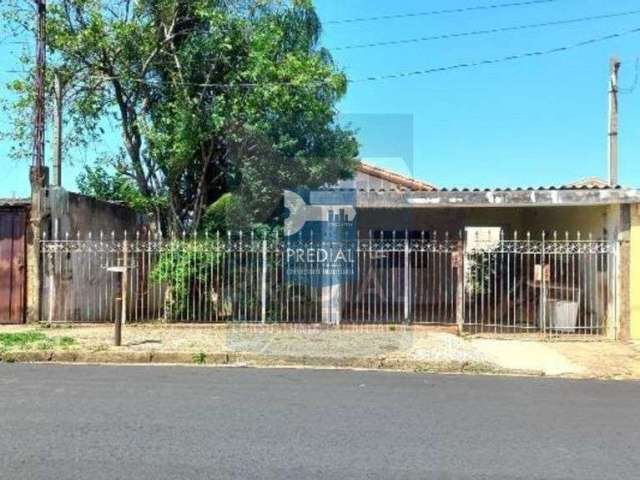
590, 230
552, 260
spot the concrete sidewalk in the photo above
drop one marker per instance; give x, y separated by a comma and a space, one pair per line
402, 348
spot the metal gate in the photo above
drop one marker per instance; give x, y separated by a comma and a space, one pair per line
12, 266
547, 285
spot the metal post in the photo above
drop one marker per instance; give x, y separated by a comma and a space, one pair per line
121, 320
406, 278
543, 290
52, 285
460, 288
263, 280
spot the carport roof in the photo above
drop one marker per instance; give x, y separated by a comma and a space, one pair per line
407, 192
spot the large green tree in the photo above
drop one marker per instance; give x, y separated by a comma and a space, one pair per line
210, 96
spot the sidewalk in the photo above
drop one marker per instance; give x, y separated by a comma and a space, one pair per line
398, 348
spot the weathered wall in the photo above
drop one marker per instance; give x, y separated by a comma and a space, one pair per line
83, 214
77, 285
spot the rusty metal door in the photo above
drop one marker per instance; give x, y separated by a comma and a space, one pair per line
12, 266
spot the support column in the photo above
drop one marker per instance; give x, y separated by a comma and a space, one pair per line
332, 304
38, 176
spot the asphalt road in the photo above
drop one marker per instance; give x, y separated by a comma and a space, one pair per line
98, 422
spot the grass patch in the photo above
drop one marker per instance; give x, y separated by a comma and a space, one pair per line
21, 339
33, 339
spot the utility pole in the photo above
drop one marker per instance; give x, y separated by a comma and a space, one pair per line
39, 113
38, 176
57, 139
614, 67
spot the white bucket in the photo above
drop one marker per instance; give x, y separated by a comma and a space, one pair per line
562, 315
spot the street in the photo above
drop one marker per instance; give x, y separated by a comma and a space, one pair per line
100, 422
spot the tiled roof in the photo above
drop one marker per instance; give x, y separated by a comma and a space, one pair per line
589, 182
407, 184
403, 182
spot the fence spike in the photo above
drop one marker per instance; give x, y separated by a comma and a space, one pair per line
528, 236
90, 235
515, 235
579, 235
590, 236
113, 235
566, 235
44, 235
555, 235
66, 236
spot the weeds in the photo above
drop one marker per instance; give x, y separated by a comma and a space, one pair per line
199, 358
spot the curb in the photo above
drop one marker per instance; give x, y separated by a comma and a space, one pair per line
257, 360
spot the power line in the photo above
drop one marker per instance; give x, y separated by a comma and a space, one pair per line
439, 12
492, 61
487, 31
391, 76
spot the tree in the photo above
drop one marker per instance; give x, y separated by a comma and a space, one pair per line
211, 97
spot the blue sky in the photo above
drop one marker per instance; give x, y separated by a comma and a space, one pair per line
536, 121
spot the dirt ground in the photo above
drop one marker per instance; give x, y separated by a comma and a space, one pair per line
388, 346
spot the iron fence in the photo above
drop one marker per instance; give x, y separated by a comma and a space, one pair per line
546, 285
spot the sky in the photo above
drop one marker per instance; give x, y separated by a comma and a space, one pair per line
535, 121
